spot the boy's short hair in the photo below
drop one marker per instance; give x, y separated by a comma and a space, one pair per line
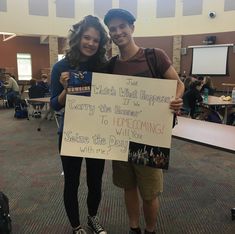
32, 82
119, 13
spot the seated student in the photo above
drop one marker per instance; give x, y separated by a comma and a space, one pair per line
36, 91
208, 84
44, 83
192, 97
200, 78
12, 89
187, 82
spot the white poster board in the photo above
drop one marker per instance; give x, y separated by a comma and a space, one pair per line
120, 109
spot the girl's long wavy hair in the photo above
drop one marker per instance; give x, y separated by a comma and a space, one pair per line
73, 53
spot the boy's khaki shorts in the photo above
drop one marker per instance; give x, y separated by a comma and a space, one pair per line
148, 180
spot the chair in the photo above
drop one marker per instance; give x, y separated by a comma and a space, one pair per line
54, 114
191, 105
36, 91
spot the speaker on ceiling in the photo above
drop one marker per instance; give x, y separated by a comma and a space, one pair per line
211, 40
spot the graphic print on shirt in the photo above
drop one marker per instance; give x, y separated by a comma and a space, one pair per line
79, 83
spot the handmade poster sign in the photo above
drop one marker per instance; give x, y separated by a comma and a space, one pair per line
124, 118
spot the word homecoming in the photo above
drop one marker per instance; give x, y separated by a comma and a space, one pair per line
151, 99
138, 125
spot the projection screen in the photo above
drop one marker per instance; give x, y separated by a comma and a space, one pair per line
211, 60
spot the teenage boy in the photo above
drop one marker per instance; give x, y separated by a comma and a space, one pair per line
12, 89
133, 178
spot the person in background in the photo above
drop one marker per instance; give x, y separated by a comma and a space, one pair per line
187, 83
44, 83
87, 43
12, 89
133, 178
193, 96
208, 84
200, 78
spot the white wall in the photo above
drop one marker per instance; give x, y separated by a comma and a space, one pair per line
17, 19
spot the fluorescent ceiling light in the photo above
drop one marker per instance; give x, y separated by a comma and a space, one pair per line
7, 33
7, 36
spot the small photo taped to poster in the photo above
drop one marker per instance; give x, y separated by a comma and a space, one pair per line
79, 83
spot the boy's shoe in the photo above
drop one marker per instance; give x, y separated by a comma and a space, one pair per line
80, 230
94, 224
135, 231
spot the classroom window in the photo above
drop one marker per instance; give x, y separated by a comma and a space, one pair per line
38, 7
24, 66
192, 7
165, 8
65, 8
101, 7
3, 5
229, 5
129, 5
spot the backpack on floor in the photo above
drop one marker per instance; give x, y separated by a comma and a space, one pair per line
5, 219
214, 117
231, 119
21, 110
